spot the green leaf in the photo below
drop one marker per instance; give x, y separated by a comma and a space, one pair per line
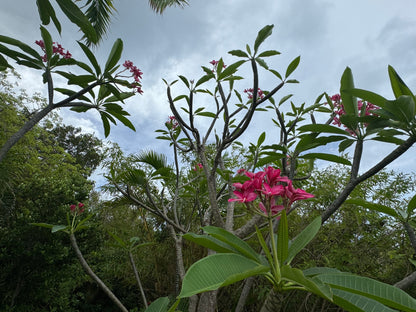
368, 96
230, 69
411, 205
292, 66
46, 12
106, 123
327, 157
398, 85
323, 128
303, 239
118, 240
282, 238
207, 114
262, 63
348, 101
75, 15
159, 305
238, 53
268, 53
311, 284
343, 145
184, 80
385, 294
276, 73
45, 225
57, 228
210, 242
203, 79
265, 32
47, 39
115, 55
403, 108
24, 47
81, 80
261, 139
357, 303
232, 240
69, 92
91, 57
372, 206
218, 270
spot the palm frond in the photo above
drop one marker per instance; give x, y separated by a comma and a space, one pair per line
160, 5
99, 14
157, 161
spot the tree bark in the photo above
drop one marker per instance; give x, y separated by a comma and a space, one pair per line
90, 272
139, 283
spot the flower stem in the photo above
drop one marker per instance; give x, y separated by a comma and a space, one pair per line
276, 264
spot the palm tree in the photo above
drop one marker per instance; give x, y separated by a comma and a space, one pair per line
93, 17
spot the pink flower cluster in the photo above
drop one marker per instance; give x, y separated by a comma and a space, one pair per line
137, 76
56, 49
172, 123
77, 209
214, 63
198, 167
250, 91
275, 192
339, 110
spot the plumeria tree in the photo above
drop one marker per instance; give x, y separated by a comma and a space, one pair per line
98, 89
267, 194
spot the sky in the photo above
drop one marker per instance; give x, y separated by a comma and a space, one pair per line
366, 35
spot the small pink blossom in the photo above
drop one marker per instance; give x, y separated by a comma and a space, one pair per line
250, 91
77, 209
339, 111
56, 49
137, 74
172, 123
198, 167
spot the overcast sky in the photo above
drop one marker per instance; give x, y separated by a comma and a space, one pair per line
328, 35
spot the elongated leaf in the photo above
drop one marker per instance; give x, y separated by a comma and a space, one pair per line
303, 239
238, 53
91, 57
210, 242
372, 206
323, 128
398, 85
411, 205
261, 139
385, 294
203, 79
348, 101
403, 108
232, 240
57, 228
268, 53
218, 270
75, 15
106, 124
118, 240
47, 39
311, 284
320, 270
292, 66
230, 69
327, 157
265, 32
184, 80
24, 47
368, 96
45, 225
46, 12
81, 80
357, 303
115, 55
207, 114
282, 238
159, 305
